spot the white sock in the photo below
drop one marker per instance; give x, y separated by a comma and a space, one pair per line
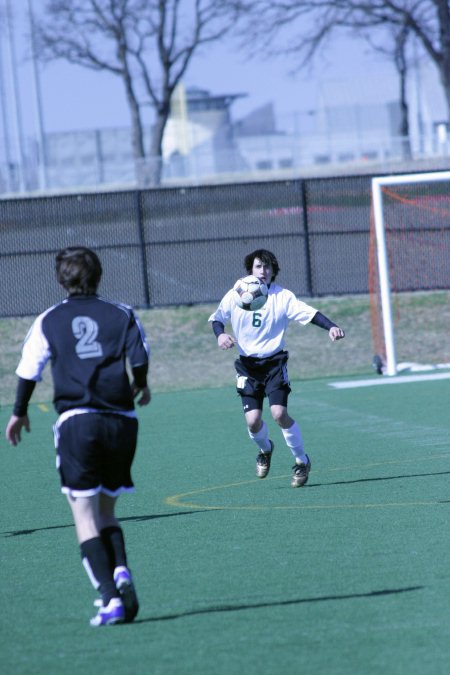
261, 438
294, 441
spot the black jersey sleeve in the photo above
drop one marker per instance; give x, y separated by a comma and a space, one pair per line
140, 375
322, 321
218, 328
24, 391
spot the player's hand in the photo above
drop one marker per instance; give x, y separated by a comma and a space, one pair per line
14, 428
336, 333
226, 341
143, 394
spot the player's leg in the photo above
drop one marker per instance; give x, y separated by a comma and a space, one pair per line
85, 510
256, 427
259, 434
290, 430
111, 532
294, 441
251, 390
278, 389
120, 439
289, 427
114, 542
78, 461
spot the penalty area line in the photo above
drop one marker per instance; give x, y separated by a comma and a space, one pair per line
396, 379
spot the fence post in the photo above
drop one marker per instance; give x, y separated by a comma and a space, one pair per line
309, 284
141, 235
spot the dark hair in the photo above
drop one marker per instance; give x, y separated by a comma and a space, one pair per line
266, 257
78, 270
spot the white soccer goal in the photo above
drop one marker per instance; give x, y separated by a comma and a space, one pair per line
414, 201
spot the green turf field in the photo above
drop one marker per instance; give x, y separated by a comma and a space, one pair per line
348, 575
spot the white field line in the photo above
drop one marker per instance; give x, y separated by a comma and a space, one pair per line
397, 379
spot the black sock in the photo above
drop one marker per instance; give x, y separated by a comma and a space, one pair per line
114, 543
96, 555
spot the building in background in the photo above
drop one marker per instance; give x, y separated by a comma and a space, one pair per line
345, 132
199, 136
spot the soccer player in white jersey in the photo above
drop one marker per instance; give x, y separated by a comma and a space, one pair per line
261, 366
88, 341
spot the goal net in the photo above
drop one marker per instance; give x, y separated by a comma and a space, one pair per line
409, 260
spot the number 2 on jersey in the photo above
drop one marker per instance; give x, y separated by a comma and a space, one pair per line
85, 330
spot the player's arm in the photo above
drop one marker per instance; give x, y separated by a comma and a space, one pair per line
334, 331
138, 353
139, 386
224, 340
19, 418
35, 354
219, 319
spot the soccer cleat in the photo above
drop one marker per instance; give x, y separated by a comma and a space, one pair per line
263, 462
125, 586
114, 612
300, 473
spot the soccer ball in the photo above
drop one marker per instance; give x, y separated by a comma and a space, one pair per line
250, 293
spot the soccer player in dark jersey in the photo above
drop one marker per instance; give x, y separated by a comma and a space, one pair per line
262, 364
88, 341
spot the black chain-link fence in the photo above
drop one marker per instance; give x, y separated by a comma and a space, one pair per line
187, 245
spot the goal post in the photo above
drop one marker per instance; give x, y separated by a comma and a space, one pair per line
380, 187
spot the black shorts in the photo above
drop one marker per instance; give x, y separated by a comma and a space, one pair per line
257, 378
95, 452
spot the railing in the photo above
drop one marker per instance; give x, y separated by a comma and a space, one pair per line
97, 161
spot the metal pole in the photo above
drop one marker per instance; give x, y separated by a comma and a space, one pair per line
43, 173
16, 96
5, 125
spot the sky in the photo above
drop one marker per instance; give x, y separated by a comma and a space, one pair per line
76, 98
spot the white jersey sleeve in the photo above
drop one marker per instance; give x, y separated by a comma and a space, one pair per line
224, 310
297, 310
35, 352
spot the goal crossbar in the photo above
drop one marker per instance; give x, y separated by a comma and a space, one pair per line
383, 264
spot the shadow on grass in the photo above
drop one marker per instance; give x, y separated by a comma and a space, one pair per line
279, 603
380, 478
137, 519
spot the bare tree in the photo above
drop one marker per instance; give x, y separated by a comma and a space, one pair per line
318, 20
395, 49
427, 20
401, 63
149, 44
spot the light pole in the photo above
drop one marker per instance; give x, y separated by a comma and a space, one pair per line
4, 112
43, 174
17, 117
